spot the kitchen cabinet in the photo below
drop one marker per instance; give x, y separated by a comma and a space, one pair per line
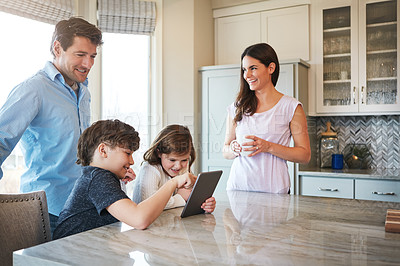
382, 190
233, 35
357, 56
327, 187
219, 86
285, 29
350, 188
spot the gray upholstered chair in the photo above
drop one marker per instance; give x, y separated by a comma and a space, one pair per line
24, 222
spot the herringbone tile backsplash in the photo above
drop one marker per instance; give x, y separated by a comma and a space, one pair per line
380, 133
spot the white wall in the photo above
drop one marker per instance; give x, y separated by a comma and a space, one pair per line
188, 43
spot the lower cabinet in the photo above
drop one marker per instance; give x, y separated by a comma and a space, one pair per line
327, 187
382, 190
350, 188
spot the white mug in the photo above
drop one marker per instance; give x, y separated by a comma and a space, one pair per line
241, 139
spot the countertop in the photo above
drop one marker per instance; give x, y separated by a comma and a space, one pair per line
245, 228
379, 173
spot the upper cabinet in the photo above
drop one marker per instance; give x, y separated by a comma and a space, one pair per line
357, 57
233, 35
285, 29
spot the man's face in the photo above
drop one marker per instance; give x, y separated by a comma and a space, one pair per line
75, 63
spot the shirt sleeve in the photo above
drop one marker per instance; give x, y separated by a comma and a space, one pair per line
104, 190
175, 201
292, 106
231, 110
149, 181
17, 113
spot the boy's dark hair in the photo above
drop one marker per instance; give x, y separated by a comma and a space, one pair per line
111, 132
173, 138
66, 30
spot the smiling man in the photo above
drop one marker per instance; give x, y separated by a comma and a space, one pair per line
49, 111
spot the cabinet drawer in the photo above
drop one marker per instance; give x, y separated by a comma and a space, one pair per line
382, 190
326, 187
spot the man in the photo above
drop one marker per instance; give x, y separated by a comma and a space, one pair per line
49, 111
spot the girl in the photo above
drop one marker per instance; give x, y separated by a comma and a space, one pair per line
267, 119
170, 155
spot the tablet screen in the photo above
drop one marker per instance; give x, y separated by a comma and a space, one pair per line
202, 190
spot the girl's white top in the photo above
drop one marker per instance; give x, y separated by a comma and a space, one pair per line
149, 180
264, 172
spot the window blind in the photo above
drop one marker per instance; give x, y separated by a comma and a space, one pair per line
49, 11
127, 16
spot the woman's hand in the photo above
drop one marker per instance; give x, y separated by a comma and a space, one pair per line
235, 147
259, 145
209, 205
130, 176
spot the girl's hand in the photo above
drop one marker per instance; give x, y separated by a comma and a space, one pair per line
186, 180
130, 176
185, 193
208, 222
209, 205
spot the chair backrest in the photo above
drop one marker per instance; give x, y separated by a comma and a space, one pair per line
24, 222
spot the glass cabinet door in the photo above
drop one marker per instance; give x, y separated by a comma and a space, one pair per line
379, 84
336, 56
357, 56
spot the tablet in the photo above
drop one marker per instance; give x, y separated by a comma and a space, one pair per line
202, 190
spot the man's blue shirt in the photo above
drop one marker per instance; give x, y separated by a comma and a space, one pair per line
46, 114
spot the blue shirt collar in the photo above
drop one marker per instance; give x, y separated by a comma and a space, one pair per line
53, 73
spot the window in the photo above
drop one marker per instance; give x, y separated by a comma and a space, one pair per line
125, 85
24, 49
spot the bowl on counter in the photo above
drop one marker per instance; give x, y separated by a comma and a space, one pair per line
356, 156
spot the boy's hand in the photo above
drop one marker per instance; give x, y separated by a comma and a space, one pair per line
209, 205
130, 176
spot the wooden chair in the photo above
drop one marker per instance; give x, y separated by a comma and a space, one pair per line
24, 222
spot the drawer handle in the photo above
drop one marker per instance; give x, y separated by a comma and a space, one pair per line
327, 189
383, 193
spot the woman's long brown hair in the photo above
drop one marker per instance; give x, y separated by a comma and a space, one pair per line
246, 100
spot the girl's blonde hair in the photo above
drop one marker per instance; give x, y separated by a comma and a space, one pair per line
172, 139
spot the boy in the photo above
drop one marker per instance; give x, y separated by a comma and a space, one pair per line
105, 152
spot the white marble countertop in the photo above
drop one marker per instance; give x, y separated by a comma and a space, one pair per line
245, 228
380, 173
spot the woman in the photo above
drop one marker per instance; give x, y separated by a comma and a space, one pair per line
268, 119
